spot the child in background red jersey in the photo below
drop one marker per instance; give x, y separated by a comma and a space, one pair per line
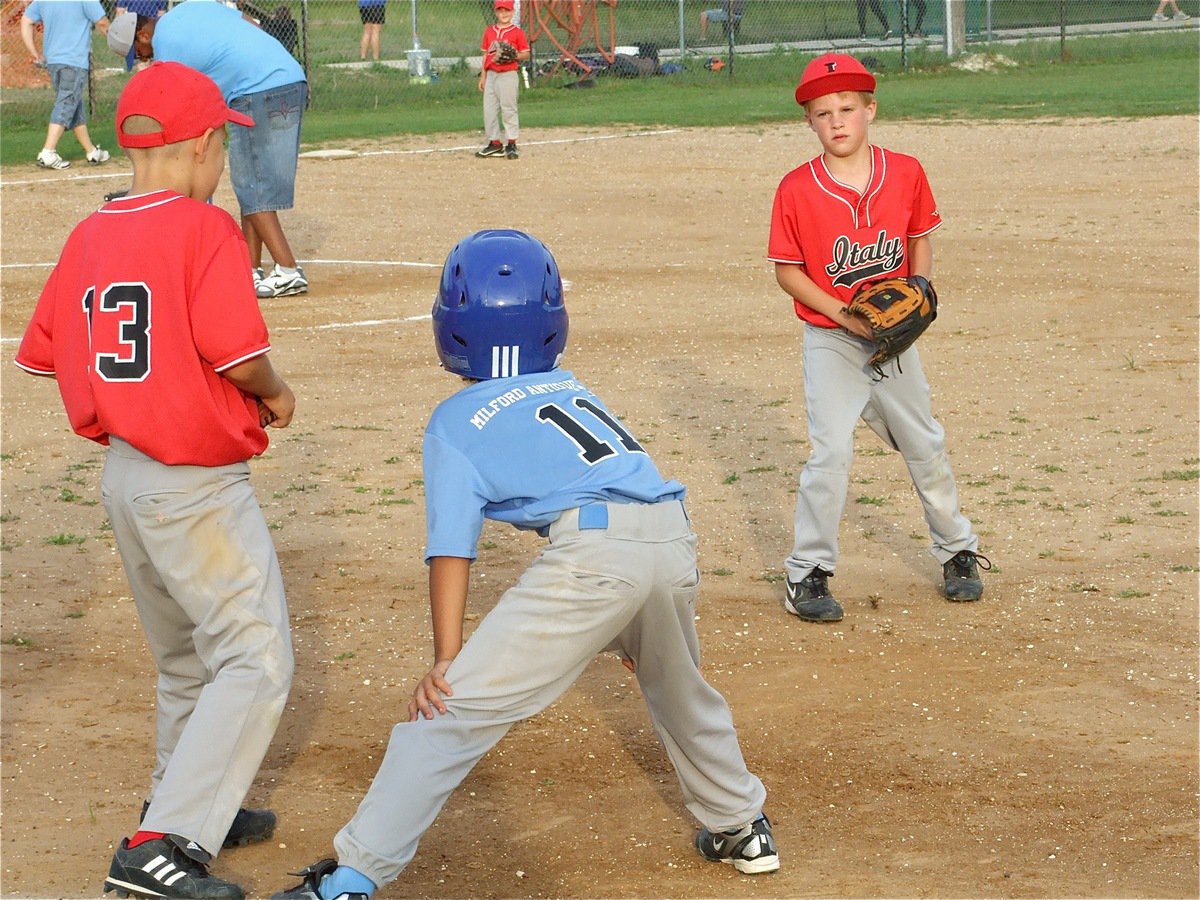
181, 406
855, 214
500, 84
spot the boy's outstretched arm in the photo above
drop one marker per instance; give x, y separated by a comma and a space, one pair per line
449, 577
258, 378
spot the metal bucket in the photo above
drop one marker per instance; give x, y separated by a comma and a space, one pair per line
419, 64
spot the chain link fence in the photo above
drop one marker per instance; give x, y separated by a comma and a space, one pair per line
432, 40
576, 37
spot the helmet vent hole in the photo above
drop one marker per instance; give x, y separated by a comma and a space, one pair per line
548, 341
506, 269
458, 340
462, 298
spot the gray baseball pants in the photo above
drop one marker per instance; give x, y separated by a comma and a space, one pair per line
500, 105
839, 388
207, 586
629, 586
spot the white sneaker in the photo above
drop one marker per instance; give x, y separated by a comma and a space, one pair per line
1157, 17
283, 284
259, 275
97, 156
49, 159
1181, 16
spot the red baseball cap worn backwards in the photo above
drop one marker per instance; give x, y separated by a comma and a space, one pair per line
185, 102
833, 73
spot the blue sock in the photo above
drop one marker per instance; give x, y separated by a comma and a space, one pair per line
346, 880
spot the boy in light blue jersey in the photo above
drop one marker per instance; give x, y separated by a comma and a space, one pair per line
527, 443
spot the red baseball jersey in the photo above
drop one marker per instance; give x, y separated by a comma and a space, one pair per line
511, 33
843, 238
151, 299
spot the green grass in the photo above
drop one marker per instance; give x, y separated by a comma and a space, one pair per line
452, 28
1122, 77
1130, 76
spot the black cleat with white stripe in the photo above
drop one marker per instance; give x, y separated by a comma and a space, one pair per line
171, 866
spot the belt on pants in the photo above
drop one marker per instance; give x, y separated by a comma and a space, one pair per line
647, 522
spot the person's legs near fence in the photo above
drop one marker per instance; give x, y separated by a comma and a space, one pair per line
68, 113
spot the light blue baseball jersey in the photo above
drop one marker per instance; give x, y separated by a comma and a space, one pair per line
67, 34
214, 39
522, 450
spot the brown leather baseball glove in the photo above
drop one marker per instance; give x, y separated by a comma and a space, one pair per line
504, 52
898, 310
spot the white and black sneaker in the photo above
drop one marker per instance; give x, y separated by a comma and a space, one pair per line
749, 849
171, 866
280, 283
809, 598
49, 159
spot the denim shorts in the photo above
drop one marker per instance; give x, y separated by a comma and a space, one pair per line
262, 159
69, 83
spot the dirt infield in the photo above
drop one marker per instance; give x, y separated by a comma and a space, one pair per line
1041, 743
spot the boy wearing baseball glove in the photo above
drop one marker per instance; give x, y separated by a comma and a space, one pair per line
854, 215
526, 443
504, 47
182, 406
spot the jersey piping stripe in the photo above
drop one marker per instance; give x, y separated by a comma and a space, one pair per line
31, 370
242, 359
169, 199
506, 361
936, 226
817, 181
882, 159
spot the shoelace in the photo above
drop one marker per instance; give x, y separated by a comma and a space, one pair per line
963, 560
817, 584
192, 866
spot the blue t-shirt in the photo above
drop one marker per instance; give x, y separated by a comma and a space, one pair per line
522, 450
214, 39
67, 29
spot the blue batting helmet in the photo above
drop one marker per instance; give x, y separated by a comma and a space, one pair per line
499, 310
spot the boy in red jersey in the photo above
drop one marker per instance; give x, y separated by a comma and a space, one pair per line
181, 406
500, 84
855, 214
